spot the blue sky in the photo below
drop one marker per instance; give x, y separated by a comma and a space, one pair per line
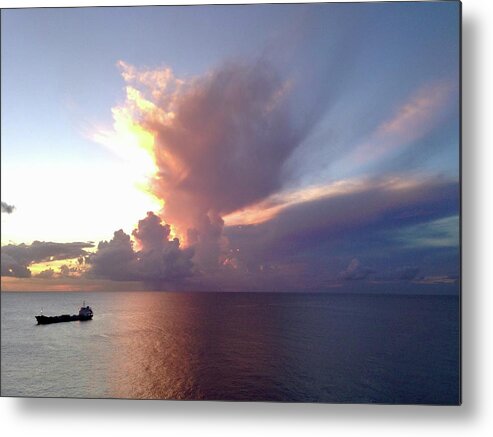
368, 103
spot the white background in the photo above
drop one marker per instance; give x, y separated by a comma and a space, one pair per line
49, 417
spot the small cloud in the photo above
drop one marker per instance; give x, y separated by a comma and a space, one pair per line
441, 279
7, 209
355, 271
46, 274
66, 271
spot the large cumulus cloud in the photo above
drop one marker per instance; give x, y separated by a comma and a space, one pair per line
220, 143
157, 257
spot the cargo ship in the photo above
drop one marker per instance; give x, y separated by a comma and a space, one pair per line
85, 313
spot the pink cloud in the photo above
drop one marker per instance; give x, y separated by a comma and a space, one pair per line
218, 143
412, 120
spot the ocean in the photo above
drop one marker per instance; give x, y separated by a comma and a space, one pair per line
288, 347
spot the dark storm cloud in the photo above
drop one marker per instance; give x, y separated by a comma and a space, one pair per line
159, 258
7, 209
350, 216
319, 238
15, 259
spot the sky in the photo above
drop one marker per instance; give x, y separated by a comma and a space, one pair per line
235, 148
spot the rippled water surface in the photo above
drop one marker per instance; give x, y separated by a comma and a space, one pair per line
243, 346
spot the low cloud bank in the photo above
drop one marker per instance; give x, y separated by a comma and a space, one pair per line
16, 258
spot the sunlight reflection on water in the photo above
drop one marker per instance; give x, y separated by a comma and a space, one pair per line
244, 346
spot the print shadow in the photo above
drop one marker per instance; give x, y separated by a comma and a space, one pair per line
227, 412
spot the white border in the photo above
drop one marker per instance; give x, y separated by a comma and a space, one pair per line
95, 418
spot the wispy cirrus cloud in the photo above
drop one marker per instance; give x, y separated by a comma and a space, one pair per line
412, 120
443, 232
274, 205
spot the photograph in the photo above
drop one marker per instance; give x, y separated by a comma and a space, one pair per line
232, 202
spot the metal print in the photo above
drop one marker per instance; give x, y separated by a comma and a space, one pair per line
232, 202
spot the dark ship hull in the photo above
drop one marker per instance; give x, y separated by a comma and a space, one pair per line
45, 320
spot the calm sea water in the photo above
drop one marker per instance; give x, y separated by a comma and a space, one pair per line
225, 346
